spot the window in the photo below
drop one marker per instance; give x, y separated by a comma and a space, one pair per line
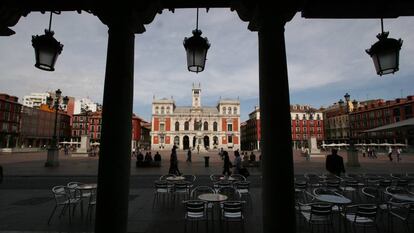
408, 111
215, 126
197, 125
205, 125
229, 110
224, 110
168, 110
162, 126
229, 139
186, 125
162, 110
318, 117
297, 117
176, 140
177, 126
234, 110
304, 117
229, 127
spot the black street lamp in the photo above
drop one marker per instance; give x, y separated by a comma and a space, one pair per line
53, 151
352, 152
196, 48
47, 49
385, 53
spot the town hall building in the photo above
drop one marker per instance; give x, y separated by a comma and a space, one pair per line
196, 126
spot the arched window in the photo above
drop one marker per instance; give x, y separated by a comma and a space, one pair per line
197, 125
156, 110
228, 110
177, 126
234, 110
176, 140
304, 117
224, 110
168, 110
215, 126
186, 126
205, 125
162, 110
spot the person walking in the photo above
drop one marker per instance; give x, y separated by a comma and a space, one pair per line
237, 162
335, 163
174, 162
390, 153
227, 164
398, 151
189, 155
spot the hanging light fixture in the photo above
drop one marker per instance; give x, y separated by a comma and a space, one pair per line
385, 53
196, 48
47, 49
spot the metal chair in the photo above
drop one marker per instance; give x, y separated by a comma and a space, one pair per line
319, 214
161, 189
195, 211
231, 193
363, 215
64, 200
181, 189
232, 211
243, 188
403, 211
238, 177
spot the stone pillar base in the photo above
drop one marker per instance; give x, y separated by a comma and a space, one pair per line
52, 158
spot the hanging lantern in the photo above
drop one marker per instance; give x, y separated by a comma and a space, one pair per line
47, 49
196, 48
385, 53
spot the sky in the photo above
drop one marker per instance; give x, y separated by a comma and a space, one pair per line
326, 59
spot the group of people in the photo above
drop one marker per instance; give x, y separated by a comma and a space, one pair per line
397, 151
147, 160
236, 165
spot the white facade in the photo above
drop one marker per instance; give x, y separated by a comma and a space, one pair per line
82, 103
34, 100
195, 126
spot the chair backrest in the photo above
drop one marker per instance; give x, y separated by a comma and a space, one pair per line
161, 185
301, 185
200, 190
182, 186
320, 210
351, 182
60, 194
231, 193
402, 183
385, 183
333, 183
241, 185
366, 211
73, 185
232, 209
216, 177
195, 208
222, 184
371, 194
189, 178
238, 177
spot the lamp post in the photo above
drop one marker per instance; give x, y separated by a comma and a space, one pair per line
352, 153
53, 151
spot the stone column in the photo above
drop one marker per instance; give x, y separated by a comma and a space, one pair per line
276, 142
115, 151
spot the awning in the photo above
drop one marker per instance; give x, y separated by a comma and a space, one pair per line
409, 123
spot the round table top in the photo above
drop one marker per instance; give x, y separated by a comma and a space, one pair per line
212, 197
87, 186
404, 197
175, 178
333, 199
229, 178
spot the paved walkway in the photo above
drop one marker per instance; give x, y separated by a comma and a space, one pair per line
26, 200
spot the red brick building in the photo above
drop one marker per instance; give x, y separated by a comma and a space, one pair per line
91, 124
306, 122
37, 126
377, 113
9, 121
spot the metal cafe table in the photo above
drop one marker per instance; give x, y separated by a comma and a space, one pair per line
213, 198
338, 200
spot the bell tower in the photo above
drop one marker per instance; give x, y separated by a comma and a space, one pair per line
196, 96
